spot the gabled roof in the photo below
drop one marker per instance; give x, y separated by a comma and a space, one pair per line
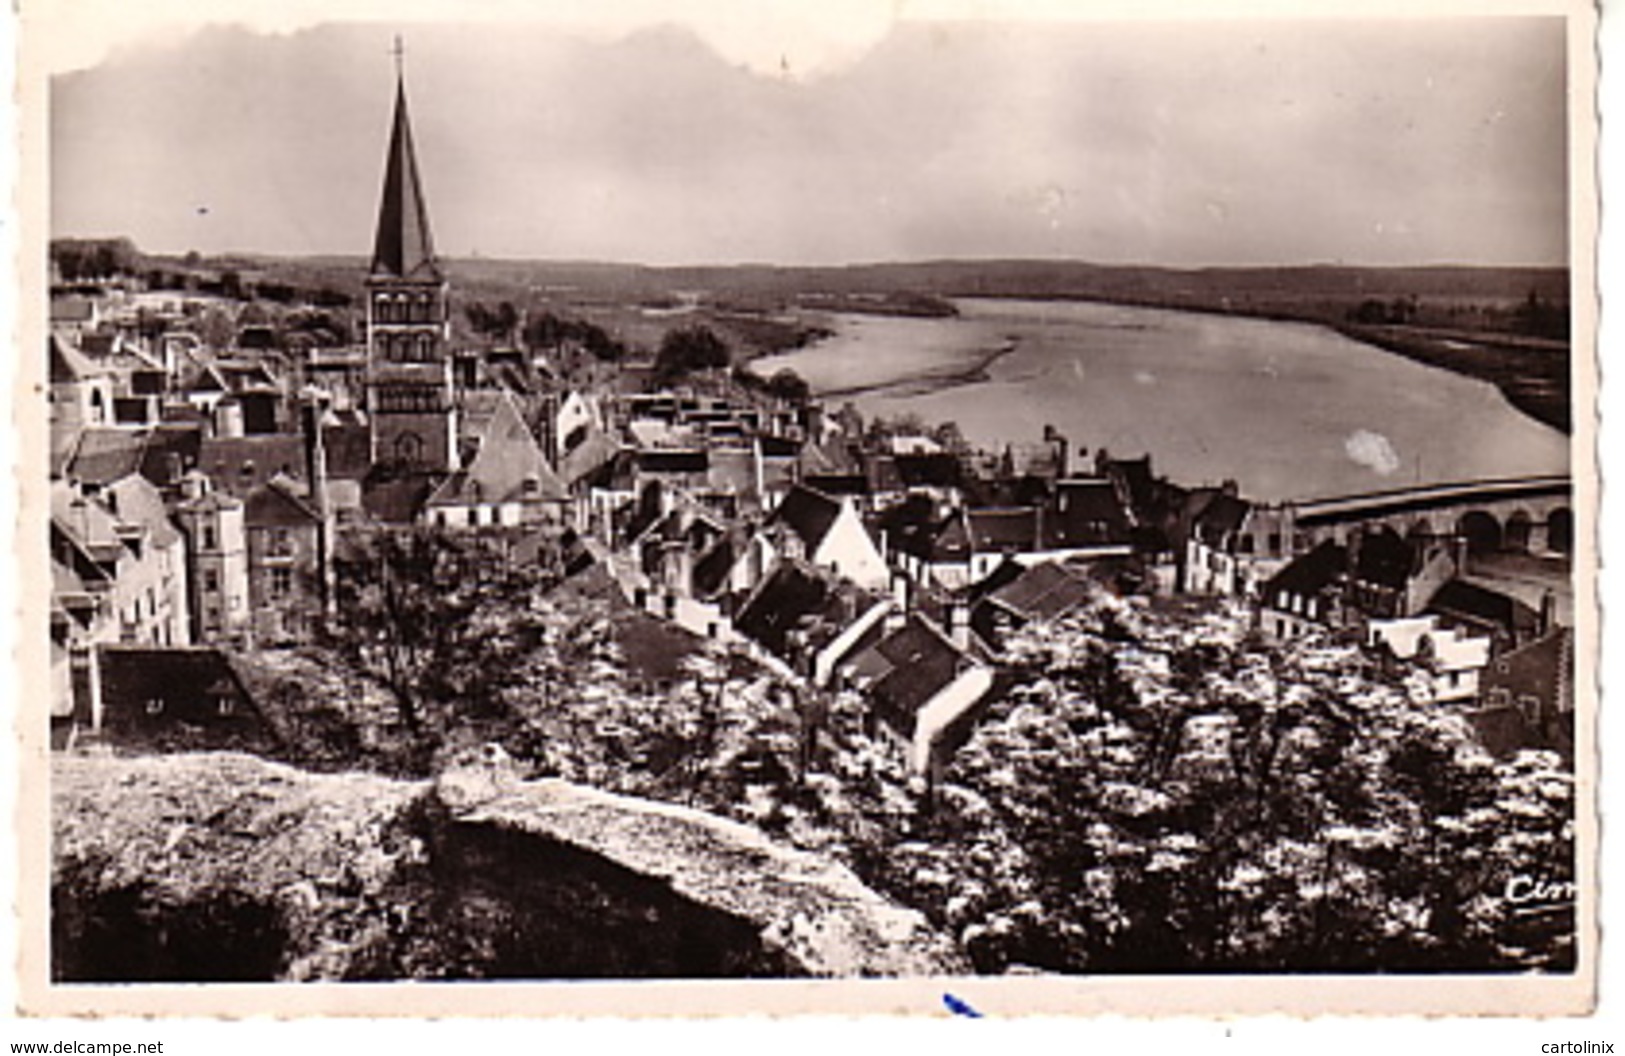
588, 457
999, 529
906, 668
87, 522
507, 463
278, 504
832, 456
104, 454
1043, 592
1215, 513
952, 540
1479, 604
138, 502
1086, 511
1310, 573
404, 247
808, 513
711, 570
239, 464
796, 597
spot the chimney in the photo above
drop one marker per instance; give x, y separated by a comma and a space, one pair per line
900, 590
959, 625
1548, 613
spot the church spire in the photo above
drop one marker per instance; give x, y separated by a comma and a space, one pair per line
404, 248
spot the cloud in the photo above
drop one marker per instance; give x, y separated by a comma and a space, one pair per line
1373, 451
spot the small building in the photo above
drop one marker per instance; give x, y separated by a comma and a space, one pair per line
828, 532
1305, 595
122, 561
1527, 699
287, 567
1042, 592
505, 480
176, 700
923, 690
1506, 621
1453, 658
810, 619
217, 561
1214, 562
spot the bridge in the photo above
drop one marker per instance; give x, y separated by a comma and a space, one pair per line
1531, 514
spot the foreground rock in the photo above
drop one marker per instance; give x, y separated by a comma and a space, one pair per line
227, 867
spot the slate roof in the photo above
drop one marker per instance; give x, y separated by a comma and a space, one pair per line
1042, 592
349, 450
1472, 602
404, 246
90, 525
171, 446
105, 454
732, 472
137, 501
936, 469
1086, 511
837, 484
239, 464
588, 457
1310, 573
999, 530
72, 310
711, 570
1216, 514
278, 503
507, 463
661, 460
798, 597
808, 513
905, 669
189, 682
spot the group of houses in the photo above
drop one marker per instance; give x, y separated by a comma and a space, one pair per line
200, 492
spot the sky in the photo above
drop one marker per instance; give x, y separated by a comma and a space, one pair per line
1240, 142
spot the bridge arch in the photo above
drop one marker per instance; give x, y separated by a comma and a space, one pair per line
1519, 529
1560, 530
1481, 531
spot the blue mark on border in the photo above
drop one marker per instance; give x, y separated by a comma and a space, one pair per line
959, 1008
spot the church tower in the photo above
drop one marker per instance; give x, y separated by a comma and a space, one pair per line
409, 387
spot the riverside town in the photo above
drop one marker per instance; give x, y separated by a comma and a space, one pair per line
420, 616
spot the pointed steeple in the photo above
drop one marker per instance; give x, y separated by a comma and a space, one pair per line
404, 247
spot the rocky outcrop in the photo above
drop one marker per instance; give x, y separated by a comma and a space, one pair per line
227, 867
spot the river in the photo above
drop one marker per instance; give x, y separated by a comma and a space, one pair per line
1289, 410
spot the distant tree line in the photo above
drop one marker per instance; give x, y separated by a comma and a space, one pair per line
87, 259
1535, 316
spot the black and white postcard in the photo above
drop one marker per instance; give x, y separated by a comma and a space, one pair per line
1092, 512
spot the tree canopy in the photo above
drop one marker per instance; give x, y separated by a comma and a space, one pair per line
689, 349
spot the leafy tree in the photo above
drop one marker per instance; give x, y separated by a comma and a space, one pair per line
689, 349
1179, 805
438, 621
787, 385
